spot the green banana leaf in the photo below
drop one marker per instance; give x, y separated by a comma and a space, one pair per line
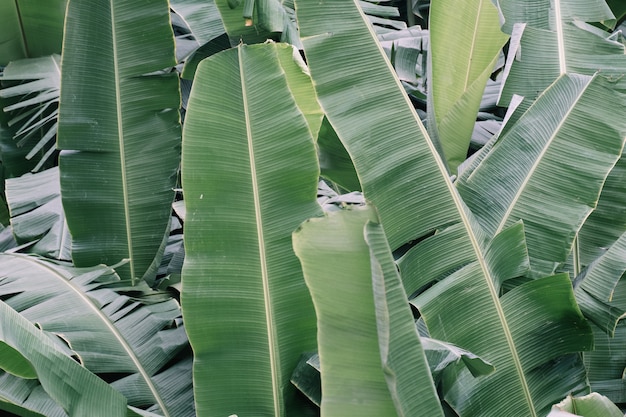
402, 174
372, 363
35, 84
80, 392
606, 363
30, 29
549, 15
552, 43
250, 176
142, 335
119, 131
460, 62
201, 17
591, 405
596, 288
607, 222
37, 215
549, 167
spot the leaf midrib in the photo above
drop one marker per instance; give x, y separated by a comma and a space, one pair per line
267, 297
120, 134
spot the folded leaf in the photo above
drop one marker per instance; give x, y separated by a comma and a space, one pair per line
37, 214
461, 61
372, 363
80, 392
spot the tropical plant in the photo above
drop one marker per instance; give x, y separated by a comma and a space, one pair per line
342, 253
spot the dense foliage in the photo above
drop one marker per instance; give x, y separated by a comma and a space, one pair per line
337, 208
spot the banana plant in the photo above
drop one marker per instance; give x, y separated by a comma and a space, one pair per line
119, 132
402, 174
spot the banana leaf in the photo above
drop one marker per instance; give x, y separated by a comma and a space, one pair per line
591, 405
598, 291
37, 215
549, 15
250, 176
607, 222
119, 131
142, 337
80, 392
35, 83
549, 167
552, 43
372, 363
30, 29
460, 63
607, 362
202, 18
402, 174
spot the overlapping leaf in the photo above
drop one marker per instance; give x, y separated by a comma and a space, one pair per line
250, 176
37, 214
142, 337
460, 62
549, 167
34, 85
402, 174
372, 362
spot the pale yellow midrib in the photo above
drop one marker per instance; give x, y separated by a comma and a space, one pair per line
558, 21
269, 314
120, 130
104, 319
477, 250
120, 135
471, 52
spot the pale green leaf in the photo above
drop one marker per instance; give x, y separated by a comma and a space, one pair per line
461, 61
591, 405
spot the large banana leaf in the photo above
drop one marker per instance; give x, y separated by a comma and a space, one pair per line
30, 29
372, 363
549, 167
402, 174
119, 129
460, 62
250, 175
142, 337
